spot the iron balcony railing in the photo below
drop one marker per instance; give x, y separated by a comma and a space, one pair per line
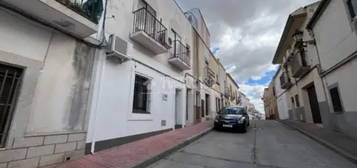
90, 9
147, 22
285, 82
298, 65
181, 52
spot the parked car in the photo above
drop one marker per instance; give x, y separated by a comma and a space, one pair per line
235, 118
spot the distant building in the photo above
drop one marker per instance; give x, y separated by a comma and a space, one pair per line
270, 102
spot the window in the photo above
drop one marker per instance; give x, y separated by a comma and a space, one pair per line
297, 100
336, 100
198, 99
10, 78
141, 95
352, 7
292, 102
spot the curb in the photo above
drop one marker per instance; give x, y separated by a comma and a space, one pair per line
173, 149
329, 145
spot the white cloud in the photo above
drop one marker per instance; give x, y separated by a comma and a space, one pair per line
254, 93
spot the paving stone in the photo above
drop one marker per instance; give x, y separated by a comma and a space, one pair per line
9, 155
133, 153
28, 142
60, 148
28, 163
55, 139
51, 159
40, 151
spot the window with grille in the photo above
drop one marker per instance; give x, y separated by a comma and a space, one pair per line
141, 95
10, 78
336, 100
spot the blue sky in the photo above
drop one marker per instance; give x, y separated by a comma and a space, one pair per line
264, 80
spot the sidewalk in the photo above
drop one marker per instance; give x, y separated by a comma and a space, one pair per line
143, 152
340, 143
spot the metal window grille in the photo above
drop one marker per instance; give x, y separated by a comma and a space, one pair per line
10, 78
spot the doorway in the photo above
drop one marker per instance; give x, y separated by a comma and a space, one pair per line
207, 97
189, 105
202, 108
178, 109
198, 108
314, 104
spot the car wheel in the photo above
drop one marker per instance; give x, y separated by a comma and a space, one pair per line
244, 129
216, 128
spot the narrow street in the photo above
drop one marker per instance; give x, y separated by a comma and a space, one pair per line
266, 144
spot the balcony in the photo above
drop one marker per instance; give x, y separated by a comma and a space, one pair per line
285, 82
180, 56
76, 17
149, 31
298, 66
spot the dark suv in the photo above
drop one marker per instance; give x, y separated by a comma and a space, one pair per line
235, 118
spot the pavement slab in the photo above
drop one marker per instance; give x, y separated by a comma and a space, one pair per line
140, 152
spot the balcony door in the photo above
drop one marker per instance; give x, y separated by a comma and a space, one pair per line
149, 22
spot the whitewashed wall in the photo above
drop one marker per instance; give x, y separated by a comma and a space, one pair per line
50, 76
336, 40
113, 117
282, 99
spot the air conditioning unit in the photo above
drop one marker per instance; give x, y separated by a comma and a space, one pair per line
168, 42
117, 49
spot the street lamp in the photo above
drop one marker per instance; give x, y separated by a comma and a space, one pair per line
298, 37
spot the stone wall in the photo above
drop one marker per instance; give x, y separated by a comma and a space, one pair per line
40, 151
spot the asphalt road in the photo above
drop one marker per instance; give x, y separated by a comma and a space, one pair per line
266, 144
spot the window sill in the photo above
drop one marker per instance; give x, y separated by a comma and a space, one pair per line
140, 117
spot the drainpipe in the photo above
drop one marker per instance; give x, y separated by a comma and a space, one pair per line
98, 94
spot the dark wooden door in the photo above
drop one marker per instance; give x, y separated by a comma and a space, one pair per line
314, 104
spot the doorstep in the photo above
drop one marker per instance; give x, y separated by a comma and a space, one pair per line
338, 142
143, 152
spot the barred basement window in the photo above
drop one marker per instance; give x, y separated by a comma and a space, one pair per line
141, 95
336, 100
10, 78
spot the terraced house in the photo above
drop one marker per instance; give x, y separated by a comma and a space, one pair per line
83, 76
315, 82
48, 52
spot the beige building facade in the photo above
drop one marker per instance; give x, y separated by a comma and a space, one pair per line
270, 102
316, 55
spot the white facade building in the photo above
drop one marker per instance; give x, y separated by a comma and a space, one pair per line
146, 94
46, 74
334, 28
